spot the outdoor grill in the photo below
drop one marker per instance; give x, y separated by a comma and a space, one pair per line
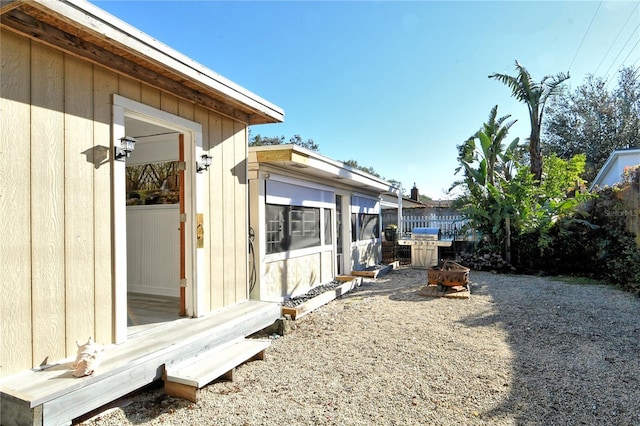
424, 244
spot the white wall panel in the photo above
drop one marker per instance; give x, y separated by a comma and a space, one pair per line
153, 249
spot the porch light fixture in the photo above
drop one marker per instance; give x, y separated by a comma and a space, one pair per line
127, 145
204, 164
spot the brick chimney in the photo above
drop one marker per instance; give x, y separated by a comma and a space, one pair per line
414, 192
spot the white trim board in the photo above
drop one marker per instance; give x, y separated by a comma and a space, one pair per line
193, 142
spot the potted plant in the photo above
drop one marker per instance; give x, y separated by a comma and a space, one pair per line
390, 232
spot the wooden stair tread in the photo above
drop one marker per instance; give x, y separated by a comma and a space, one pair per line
208, 366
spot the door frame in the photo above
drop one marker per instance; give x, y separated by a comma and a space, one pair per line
194, 190
344, 264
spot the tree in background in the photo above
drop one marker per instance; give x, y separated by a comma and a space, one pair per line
424, 199
259, 140
594, 121
534, 95
354, 164
502, 198
488, 167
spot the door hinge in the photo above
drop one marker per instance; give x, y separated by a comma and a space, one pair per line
183, 217
182, 165
183, 283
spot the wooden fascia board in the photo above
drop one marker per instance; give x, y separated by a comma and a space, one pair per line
36, 20
114, 29
7, 5
285, 155
292, 157
25, 24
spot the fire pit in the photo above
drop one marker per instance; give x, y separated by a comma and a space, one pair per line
450, 274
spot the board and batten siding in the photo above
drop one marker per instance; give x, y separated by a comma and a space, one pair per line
55, 201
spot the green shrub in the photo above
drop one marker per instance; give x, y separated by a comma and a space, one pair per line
592, 242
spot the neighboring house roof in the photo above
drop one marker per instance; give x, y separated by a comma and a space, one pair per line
78, 27
294, 158
391, 202
611, 171
445, 204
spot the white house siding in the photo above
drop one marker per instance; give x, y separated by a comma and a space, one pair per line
292, 277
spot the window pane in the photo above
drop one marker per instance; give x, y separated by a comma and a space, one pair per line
369, 228
354, 227
291, 227
327, 226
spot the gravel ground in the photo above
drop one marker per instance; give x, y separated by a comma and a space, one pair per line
522, 350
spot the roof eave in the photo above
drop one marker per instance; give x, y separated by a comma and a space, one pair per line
109, 29
290, 155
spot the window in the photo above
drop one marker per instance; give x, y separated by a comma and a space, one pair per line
328, 234
291, 227
369, 228
365, 218
354, 227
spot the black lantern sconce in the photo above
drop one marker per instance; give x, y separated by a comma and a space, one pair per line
127, 145
204, 164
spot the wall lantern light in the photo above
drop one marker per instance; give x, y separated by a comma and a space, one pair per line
204, 164
127, 145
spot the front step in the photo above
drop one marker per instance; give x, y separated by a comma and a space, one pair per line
186, 379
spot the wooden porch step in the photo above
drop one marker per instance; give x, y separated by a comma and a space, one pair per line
377, 272
50, 395
185, 380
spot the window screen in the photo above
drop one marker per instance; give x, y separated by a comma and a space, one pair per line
328, 234
369, 226
291, 227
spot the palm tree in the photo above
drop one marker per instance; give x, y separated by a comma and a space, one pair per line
535, 96
494, 160
487, 166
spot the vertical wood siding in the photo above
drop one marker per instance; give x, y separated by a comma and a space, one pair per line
47, 203
55, 199
202, 117
240, 209
78, 202
105, 84
15, 205
217, 215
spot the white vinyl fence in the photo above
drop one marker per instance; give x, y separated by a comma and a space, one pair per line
449, 225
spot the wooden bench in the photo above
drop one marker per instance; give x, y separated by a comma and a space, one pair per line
185, 380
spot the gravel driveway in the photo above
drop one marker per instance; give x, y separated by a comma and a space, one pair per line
522, 350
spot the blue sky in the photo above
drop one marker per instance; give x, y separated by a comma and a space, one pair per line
393, 85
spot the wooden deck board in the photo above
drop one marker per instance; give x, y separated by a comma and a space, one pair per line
376, 272
133, 364
433, 291
210, 365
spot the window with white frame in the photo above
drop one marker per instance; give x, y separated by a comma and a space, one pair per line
291, 227
365, 218
296, 216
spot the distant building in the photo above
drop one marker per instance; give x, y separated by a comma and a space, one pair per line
611, 171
